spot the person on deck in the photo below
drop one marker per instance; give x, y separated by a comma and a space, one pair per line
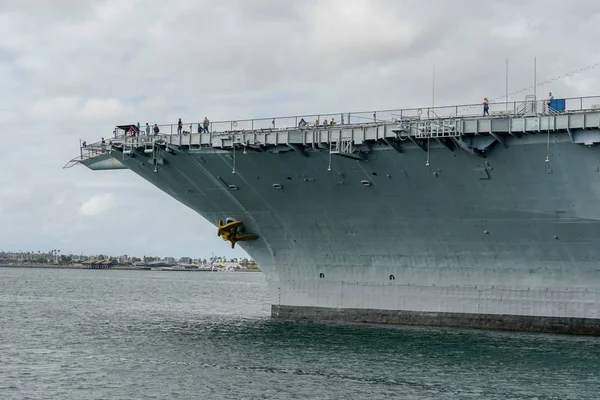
206, 124
486, 107
179, 126
302, 123
156, 129
332, 121
147, 129
550, 100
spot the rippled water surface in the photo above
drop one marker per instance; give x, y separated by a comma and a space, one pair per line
178, 335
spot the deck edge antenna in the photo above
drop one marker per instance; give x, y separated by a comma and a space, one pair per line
154, 156
535, 78
432, 110
433, 88
506, 86
547, 161
233, 147
329, 137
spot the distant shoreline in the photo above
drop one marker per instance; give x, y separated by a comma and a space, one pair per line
49, 266
116, 267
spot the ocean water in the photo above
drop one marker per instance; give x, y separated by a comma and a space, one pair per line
82, 334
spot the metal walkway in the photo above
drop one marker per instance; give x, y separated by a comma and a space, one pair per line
581, 126
468, 133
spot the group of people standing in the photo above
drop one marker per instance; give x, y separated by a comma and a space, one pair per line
303, 123
201, 128
148, 130
137, 131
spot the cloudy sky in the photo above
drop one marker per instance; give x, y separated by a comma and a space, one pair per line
72, 69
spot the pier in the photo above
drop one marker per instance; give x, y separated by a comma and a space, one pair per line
98, 264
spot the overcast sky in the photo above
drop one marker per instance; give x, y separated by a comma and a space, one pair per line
72, 69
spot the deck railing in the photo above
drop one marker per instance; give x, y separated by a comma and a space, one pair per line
514, 108
87, 151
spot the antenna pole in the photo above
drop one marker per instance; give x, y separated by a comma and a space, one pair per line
535, 78
433, 88
506, 88
233, 143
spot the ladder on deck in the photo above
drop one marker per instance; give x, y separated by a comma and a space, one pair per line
133, 143
432, 128
528, 107
341, 146
344, 146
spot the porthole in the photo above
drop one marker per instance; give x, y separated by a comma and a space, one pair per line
321, 275
374, 173
392, 278
289, 177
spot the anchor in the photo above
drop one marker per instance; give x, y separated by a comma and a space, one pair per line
229, 231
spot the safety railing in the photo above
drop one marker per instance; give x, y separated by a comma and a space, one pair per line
87, 151
515, 108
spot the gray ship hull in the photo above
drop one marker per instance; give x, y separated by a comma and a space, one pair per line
508, 241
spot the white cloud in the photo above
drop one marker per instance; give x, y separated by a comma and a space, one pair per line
73, 69
97, 205
56, 108
112, 11
355, 28
513, 30
95, 109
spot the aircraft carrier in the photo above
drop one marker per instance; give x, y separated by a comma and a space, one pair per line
439, 217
